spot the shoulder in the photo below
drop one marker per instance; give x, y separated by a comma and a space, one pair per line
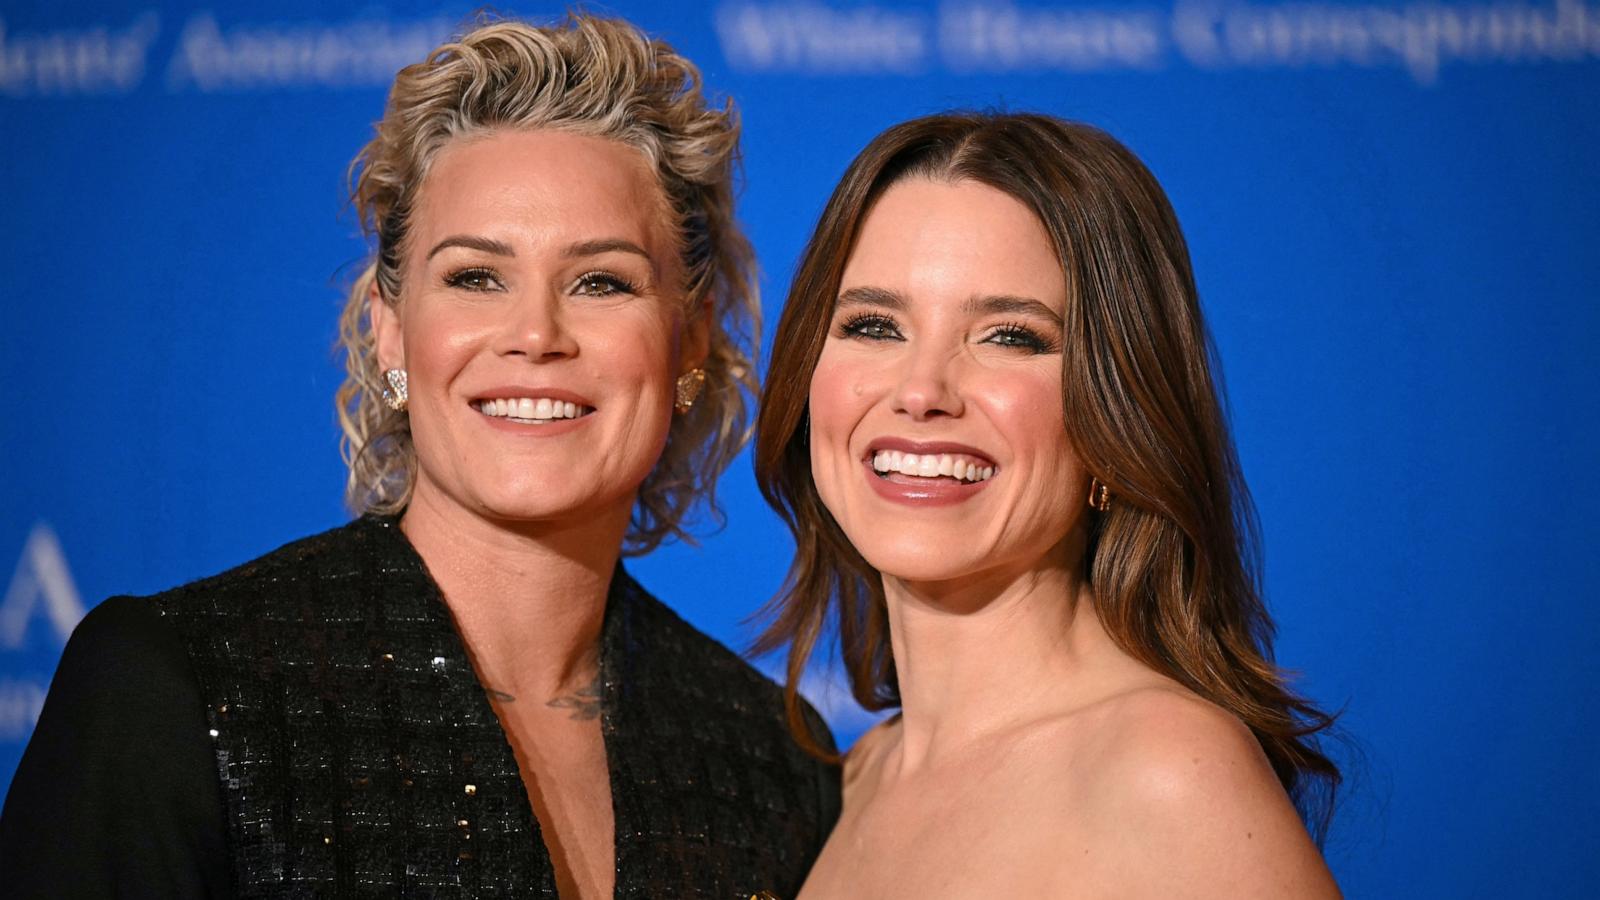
1195, 799
333, 557
122, 647
123, 728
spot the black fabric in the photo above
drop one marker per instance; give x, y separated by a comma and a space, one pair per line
331, 739
117, 792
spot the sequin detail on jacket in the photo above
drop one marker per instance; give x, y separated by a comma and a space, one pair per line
359, 756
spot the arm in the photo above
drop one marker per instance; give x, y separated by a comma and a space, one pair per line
117, 792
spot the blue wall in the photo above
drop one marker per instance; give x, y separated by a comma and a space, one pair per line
1392, 207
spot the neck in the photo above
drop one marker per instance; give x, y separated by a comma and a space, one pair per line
979, 655
528, 598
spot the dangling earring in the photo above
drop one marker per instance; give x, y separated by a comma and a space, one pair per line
1099, 495
395, 394
687, 390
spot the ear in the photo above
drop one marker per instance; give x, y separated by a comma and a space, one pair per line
387, 335
697, 338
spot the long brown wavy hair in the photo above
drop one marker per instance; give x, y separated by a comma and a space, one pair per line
1174, 564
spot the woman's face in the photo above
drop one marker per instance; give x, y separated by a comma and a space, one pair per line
541, 324
938, 440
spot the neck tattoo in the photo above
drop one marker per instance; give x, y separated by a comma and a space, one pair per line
584, 703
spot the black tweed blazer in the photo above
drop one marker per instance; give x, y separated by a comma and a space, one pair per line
309, 725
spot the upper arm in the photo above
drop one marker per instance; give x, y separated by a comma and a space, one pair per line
117, 792
1199, 810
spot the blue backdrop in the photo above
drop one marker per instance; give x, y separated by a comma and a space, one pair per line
1392, 210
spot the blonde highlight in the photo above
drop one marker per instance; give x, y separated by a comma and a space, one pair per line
592, 76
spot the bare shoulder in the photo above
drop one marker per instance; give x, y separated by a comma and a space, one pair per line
1198, 808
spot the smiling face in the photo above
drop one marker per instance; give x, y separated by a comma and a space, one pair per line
938, 440
542, 324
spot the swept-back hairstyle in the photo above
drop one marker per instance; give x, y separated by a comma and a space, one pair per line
1173, 565
590, 76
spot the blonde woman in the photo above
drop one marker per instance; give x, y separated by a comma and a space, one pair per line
463, 693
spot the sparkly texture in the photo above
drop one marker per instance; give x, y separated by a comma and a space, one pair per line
348, 722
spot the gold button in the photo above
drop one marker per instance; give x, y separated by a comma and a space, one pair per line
472, 790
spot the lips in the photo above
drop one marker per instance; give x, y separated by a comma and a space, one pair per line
930, 460
531, 406
922, 473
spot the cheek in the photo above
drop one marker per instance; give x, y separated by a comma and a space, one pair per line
439, 341
1027, 407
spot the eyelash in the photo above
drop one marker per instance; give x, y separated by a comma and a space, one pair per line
875, 327
460, 277
857, 325
611, 282
614, 283
1020, 335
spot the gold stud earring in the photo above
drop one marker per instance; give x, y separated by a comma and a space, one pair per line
395, 394
1099, 495
687, 390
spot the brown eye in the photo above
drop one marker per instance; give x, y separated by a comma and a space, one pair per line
473, 279
603, 284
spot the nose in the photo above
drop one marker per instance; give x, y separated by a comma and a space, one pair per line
533, 328
927, 385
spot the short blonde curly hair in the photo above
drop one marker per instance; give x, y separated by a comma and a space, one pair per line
591, 76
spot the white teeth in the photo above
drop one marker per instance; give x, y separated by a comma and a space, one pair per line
530, 409
962, 468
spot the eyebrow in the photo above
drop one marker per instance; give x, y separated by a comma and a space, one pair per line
571, 251
473, 242
605, 245
994, 304
1005, 303
872, 296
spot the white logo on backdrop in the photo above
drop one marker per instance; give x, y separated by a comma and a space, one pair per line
365, 53
1419, 37
41, 575
98, 60
105, 60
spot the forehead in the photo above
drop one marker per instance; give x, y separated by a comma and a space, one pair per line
543, 186
951, 240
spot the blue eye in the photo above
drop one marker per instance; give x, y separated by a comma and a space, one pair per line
603, 284
870, 326
1021, 337
473, 279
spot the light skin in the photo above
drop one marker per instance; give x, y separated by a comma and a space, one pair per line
1032, 756
540, 265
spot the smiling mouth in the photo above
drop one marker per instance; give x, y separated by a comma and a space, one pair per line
958, 467
531, 410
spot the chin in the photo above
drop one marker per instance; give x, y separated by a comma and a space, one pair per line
909, 558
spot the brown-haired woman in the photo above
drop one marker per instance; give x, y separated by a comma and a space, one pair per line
462, 693
991, 423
